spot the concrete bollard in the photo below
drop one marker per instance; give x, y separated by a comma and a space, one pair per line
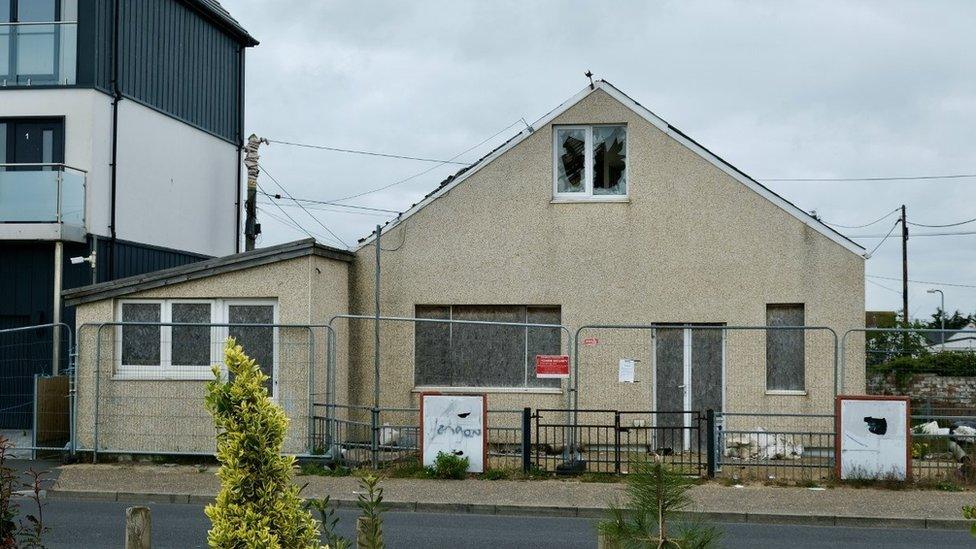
138, 528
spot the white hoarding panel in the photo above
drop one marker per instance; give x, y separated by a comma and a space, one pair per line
454, 424
873, 437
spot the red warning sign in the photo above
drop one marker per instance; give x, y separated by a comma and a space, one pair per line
549, 366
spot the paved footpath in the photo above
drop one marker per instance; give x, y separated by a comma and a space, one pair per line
832, 507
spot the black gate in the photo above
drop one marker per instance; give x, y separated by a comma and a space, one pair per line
606, 441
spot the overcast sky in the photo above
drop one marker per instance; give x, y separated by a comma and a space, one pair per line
871, 89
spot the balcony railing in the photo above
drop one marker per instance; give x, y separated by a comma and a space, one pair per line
38, 53
51, 194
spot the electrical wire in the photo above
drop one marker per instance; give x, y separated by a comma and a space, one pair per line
336, 210
871, 253
880, 285
428, 170
297, 224
952, 284
317, 220
896, 178
950, 233
367, 153
943, 226
351, 206
880, 219
291, 224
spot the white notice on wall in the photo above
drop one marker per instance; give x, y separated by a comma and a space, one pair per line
626, 373
873, 437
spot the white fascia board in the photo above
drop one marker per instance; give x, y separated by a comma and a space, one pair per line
757, 187
511, 144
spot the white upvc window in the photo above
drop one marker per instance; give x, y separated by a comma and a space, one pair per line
589, 162
174, 352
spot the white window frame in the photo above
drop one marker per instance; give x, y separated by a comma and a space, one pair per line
219, 309
587, 194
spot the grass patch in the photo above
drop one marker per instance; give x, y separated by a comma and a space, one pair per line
600, 477
319, 469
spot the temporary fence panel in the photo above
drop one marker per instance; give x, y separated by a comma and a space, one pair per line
141, 385
446, 349
35, 386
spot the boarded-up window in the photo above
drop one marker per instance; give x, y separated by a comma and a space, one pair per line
785, 353
476, 355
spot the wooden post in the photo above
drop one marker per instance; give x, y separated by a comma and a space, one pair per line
138, 528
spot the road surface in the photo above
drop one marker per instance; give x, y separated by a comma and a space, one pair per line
99, 524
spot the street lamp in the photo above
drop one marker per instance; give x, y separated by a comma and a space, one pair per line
942, 316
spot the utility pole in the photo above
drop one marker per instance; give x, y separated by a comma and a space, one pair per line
904, 265
251, 226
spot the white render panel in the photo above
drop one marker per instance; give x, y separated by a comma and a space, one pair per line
175, 184
87, 138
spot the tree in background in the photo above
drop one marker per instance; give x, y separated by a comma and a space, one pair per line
956, 321
258, 505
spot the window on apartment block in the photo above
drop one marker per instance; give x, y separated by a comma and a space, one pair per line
785, 349
472, 355
590, 162
184, 351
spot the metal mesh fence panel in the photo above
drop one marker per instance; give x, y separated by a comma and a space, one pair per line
35, 385
142, 384
771, 447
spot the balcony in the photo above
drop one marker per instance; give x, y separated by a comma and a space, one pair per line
38, 53
42, 202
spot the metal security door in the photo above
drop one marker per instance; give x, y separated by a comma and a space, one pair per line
688, 366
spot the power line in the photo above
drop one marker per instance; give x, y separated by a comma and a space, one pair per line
284, 190
885, 238
352, 206
952, 284
880, 219
942, 226
428, 170
367, 153
336, 210
291, 224
896, 178
297, 224
949, 233
880, 285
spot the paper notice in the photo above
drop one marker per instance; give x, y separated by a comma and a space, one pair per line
626, 373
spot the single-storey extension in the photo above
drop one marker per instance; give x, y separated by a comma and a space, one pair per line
600, 213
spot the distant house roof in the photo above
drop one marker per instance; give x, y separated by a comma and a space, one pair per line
203, 269
222, 18
658, 122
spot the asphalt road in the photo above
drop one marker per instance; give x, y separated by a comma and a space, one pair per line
99, 524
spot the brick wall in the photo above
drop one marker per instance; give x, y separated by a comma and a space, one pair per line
931, 389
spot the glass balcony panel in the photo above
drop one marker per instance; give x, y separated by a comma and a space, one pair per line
29, 194
34, 54
73, 197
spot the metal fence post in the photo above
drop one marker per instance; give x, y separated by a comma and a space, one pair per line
710, 441
526, 440
73, 396
375, 438
616, 442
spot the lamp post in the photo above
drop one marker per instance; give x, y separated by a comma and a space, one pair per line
942, 316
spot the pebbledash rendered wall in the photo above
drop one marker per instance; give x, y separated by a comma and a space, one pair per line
168, 415
690, 245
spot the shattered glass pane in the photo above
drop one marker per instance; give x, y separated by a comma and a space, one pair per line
571, 160
610, 160
140, 344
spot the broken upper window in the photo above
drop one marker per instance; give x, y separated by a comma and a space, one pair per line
590, 162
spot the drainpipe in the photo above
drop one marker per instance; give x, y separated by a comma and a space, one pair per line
240, 148
116, 97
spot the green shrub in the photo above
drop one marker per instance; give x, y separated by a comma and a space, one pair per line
449, 466
258, 505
